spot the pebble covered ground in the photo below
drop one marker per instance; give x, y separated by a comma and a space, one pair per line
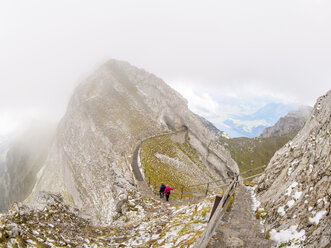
240, 227
148, 222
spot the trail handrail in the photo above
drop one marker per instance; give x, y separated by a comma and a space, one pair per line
204, 238
182, 193
256, 175
207, 184
258, 168
242, 173
139, 177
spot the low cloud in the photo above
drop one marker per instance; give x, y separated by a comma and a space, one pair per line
233, 55
237, 113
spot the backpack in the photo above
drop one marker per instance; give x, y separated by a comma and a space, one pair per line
162, 188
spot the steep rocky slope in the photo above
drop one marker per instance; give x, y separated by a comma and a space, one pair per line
214, 129
295, 189
108, 114
148, 222
21, 161
290, 123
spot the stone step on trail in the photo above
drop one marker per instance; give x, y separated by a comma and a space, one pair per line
239, 227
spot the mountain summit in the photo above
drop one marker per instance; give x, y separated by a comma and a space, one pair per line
111, 111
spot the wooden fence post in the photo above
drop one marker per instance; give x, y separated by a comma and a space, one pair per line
207, 189
181, 193
149, 181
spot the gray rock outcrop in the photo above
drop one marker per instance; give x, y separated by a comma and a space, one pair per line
295, 188
218, 133
292, 122
111, 111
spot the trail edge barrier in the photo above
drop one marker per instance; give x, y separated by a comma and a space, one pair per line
204, 238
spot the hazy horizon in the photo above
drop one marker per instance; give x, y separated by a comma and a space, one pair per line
227, 58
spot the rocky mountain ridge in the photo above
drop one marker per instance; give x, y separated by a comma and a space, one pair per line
118, 105
295, 190
292, 122
218, 133
147, 222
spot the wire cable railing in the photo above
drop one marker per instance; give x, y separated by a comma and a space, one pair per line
204, 188
217, 213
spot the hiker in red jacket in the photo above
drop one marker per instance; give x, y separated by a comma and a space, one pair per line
167, 192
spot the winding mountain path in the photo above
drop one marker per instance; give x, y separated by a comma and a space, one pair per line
134, 164
240, 228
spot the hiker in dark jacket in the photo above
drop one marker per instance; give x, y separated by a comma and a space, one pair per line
162, 188
167, 192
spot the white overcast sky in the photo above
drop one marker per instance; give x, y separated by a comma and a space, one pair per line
205, 49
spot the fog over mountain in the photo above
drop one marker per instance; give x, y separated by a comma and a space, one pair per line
21, 158
252, 53
113, 109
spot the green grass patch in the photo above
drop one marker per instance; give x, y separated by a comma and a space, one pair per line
267, 235
232, 199
250, 153
261, 214
160, 172
205, 211
2, 237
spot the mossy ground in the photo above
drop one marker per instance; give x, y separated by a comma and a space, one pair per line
148, 222
157, 171
232, 199
261, 214
250, 153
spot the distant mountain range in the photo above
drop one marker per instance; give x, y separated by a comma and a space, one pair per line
254, 152
252, 125
293, 121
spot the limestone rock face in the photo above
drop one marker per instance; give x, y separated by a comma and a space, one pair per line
111, 111
213, 129
293, 121
295, 188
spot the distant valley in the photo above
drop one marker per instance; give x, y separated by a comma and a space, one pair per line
250, 153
